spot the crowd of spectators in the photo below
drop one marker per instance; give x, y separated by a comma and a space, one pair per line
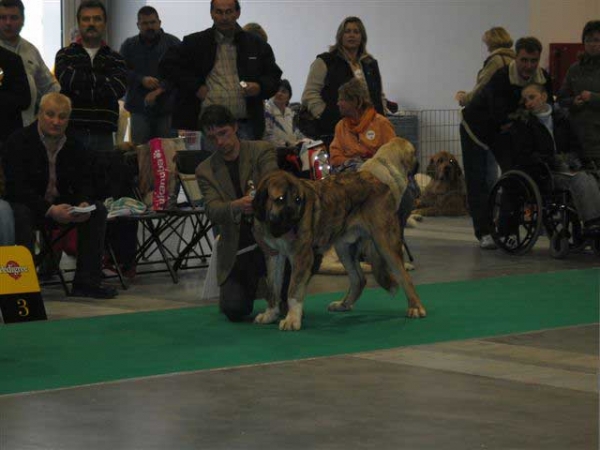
225, 82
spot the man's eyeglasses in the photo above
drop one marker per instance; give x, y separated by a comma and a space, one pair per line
595, 41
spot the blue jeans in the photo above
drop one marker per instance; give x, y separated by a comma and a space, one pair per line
144, 128
7, 224
481, 172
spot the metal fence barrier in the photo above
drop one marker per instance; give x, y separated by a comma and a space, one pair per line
430, 131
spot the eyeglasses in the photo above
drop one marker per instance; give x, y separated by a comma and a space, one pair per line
594, 41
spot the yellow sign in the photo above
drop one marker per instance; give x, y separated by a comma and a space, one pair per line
17, 271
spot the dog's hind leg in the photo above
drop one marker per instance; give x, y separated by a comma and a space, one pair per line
349, 257
384, 242
275, 272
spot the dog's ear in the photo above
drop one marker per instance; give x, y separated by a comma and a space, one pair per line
431, 168
259, 203
300, 200
456, 169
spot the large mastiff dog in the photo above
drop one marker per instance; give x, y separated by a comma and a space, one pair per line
354, 212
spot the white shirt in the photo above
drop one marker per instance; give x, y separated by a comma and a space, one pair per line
41, 81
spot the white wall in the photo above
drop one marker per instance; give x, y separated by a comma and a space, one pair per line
560, 21
427, 49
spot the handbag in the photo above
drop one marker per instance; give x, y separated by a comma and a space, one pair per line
307, 123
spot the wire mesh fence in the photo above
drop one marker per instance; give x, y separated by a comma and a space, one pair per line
430, 131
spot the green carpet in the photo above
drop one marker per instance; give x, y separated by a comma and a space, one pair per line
54, 354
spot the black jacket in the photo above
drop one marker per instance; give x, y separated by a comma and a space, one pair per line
188, 65
14, 93
528, 142
489, 109
338, 73
25, 163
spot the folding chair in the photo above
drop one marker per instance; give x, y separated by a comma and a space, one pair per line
199, 244
46, 252
153, 224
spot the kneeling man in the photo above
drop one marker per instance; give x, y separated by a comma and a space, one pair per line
46, 175
226, 179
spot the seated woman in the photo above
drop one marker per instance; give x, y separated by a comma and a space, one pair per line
362, 129
538, 133
279, 119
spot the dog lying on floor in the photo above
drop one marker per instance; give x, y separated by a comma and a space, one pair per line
446, 194
354, 212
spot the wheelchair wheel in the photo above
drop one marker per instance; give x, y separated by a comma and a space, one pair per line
563, 223
516, 212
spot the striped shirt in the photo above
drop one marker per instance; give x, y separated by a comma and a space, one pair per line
94, 87
223, 81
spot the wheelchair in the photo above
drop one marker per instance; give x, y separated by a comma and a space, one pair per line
524, 203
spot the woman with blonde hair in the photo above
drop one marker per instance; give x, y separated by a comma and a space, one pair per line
481, 170
346, 59
499, 44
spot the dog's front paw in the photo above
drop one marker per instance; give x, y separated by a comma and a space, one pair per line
416, 312
339, 306
292, 322
269, 316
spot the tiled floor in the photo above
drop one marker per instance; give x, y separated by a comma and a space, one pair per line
529, 391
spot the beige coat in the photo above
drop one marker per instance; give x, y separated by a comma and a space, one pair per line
257, 158
496, 60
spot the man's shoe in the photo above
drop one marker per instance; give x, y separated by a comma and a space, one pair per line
487, 243
91, 291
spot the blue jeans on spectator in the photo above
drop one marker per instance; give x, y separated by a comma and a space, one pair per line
7, 224
481, 172
144, 128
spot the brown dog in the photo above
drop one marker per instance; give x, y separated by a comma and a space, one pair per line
354, 212
446, 194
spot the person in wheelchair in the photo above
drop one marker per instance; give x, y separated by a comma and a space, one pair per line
541, 135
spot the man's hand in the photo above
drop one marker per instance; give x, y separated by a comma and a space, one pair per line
460, 97
60, 213
202, 92
252, 89
151, 97
81, 217
150, 83
243, 204
582, 98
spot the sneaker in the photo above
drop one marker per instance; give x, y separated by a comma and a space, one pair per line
487, 243
90, 291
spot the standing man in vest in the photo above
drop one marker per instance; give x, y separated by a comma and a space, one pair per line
149, 99
41, 81
94, 77
223, 65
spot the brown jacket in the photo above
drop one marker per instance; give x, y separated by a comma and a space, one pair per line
257, 158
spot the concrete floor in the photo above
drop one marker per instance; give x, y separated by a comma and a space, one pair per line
529, 391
